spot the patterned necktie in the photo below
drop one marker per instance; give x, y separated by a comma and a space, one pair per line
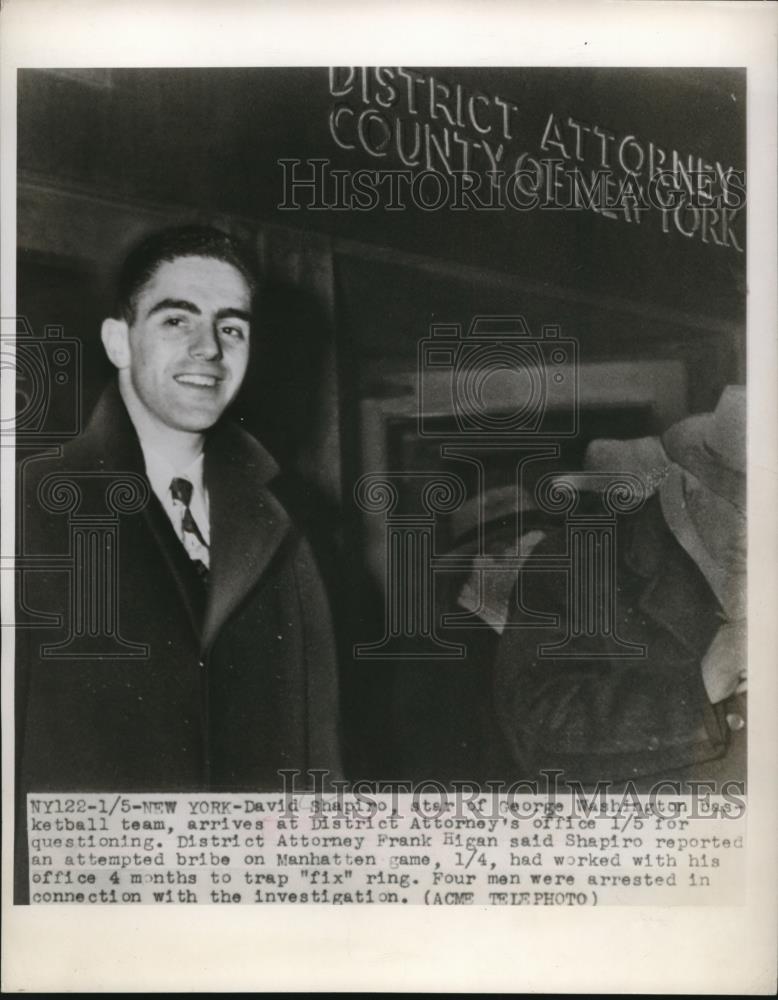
194, 543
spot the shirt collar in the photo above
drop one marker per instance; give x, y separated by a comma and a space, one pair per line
161, 472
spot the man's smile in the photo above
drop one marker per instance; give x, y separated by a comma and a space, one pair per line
199, 380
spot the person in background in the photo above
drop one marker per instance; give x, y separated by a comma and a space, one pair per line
679, 712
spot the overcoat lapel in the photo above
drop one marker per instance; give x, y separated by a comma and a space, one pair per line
248, 524
676, 595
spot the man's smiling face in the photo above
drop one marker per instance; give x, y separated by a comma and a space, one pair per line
188, 344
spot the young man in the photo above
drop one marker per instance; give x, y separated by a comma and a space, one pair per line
238, 678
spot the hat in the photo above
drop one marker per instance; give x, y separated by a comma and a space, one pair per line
492, 513
710, 446
698, 467
641, 457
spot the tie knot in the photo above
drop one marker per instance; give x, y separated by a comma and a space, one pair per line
181, 490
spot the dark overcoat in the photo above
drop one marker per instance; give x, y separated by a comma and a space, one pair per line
238, 679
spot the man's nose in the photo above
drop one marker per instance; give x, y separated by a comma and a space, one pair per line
205, 344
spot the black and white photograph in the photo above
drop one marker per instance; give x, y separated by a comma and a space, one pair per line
388, 467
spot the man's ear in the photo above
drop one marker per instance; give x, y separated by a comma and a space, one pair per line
115, 335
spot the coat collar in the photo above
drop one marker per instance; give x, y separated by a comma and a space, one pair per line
248, 523
676, 594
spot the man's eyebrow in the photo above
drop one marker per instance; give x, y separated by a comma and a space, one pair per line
230, 312
174, 304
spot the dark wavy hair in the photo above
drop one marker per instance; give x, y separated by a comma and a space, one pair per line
145, 257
